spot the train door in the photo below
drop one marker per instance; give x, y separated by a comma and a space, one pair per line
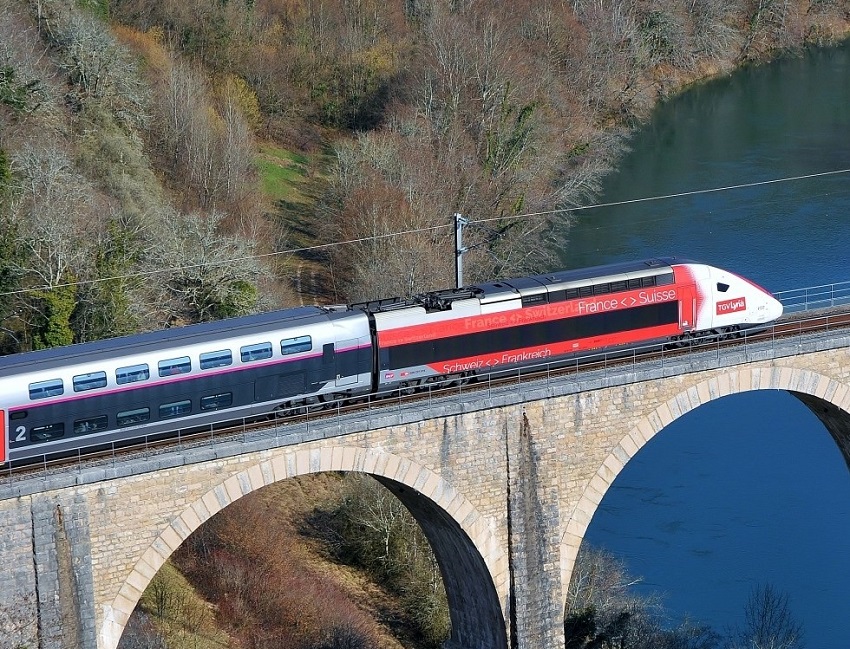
2, 436
687, 308
693, 282
346, 361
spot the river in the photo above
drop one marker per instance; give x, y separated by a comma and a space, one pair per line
750, 489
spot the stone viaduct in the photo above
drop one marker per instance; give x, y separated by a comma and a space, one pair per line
504, 482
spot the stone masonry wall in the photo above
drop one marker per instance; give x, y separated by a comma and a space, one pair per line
18, 592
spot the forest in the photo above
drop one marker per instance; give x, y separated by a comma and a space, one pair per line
167, 162
145, 145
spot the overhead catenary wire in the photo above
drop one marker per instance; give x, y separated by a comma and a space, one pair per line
443, 226
662, 197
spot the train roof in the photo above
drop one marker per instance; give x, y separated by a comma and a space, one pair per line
165, 338
643, 267
563, 279
525, 286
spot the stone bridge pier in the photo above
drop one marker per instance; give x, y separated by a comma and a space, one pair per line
503, 482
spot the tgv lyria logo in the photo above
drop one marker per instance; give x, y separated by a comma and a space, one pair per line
731, 306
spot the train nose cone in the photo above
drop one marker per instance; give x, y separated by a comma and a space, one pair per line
774, 308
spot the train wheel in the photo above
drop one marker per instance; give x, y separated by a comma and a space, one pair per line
332, 399
452, 380
679, 342
407, 388
284, 411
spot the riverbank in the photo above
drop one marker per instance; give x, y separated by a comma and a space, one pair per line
669, 82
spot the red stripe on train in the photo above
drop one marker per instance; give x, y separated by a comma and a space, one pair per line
530, 315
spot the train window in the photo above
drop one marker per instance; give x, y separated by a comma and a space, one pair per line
175, 409
533, 300
722, 287
585, 291
174, 366
20, 414
634, 283
256, 352
601, 289
132, 373
618, 286
296, 345
647, 281
130, 417
44, 389
216, 401
44, 433
216, 359
83, 382
663, 280
90, 425
570, 293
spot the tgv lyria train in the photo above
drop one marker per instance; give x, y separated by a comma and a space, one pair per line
116, 391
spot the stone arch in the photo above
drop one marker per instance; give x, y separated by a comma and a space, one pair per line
464, 532
827, 398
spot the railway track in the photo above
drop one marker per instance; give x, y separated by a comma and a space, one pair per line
789, 326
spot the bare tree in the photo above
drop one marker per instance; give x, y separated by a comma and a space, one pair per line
171, 614
182, 92
57, 213
377, 192
199, 273
189, 133
599, 580
602, 612
768, 622
451, 61
206, 139
664, 37
713, 37
95, 62
376, 531
25, 83
607, 71
56, 217
773, 25
236, 147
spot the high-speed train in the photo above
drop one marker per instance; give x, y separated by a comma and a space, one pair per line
147, 386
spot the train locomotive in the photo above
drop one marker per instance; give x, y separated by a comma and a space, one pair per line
118, 391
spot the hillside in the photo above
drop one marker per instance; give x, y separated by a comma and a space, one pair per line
143, 144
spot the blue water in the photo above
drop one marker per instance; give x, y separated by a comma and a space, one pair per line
750, 489
747, 490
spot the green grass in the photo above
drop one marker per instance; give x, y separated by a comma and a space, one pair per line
281, 171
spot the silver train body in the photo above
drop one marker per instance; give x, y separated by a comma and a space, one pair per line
96, 394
